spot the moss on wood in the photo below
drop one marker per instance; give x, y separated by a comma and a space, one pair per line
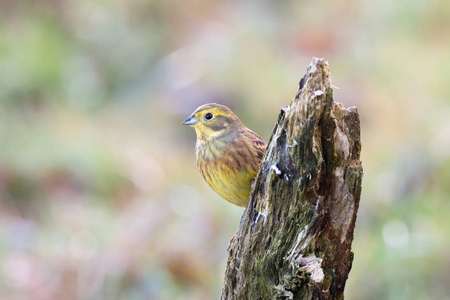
294, 240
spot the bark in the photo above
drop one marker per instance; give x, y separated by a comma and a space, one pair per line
295, 237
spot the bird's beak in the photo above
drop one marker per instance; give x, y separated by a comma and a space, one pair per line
190, 121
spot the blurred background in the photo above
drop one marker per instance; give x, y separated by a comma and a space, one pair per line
100, 197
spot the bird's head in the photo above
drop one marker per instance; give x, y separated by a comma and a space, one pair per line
213, 120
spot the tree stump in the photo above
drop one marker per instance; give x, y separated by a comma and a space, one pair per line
294, 240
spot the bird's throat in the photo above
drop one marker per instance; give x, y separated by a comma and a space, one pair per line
210, 149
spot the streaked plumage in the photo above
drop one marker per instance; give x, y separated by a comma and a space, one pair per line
228, 153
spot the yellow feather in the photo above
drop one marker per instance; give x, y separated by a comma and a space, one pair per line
228, 154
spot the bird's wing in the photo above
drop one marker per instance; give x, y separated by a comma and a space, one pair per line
256, 142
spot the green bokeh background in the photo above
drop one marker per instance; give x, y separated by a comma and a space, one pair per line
100, 197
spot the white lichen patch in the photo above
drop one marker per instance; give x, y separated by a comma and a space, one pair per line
339, 172
300, 244
318, 93
286, 109
312, 66
265, 212
312, 266
275, 169
294, 143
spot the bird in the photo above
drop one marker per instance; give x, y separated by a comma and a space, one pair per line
228, 154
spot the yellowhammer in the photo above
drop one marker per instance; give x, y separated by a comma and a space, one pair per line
228, 153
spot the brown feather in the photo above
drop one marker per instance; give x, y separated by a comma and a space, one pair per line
228, 153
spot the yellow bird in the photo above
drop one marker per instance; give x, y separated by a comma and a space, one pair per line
228, 153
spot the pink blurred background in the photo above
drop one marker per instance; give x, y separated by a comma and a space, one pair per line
100, 197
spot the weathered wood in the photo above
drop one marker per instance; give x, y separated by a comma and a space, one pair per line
294, 240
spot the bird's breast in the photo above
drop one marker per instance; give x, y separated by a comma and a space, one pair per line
228, 168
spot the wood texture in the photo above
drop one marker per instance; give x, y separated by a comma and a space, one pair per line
294, 240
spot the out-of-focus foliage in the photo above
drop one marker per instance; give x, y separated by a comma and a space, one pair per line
100, 197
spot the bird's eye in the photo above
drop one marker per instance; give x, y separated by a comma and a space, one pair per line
208, 116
